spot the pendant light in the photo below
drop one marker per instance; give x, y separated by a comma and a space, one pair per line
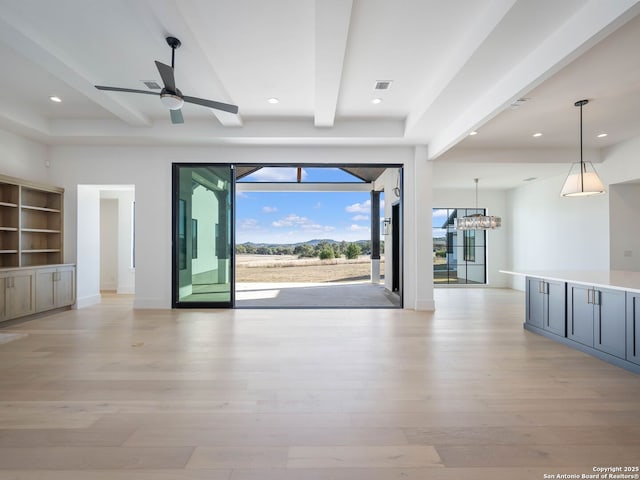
477, 221
582, 179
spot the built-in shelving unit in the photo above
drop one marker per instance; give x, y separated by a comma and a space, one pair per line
30, 224
33, 278
9, 224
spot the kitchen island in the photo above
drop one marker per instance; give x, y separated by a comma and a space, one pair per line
597, 312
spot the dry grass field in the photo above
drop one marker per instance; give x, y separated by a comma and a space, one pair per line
288, 268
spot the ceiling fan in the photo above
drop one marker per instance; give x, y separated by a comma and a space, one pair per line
170, 96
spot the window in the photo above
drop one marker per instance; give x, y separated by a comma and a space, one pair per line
458, 255
469, 245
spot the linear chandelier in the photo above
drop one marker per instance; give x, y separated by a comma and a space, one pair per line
477, 221
582, 179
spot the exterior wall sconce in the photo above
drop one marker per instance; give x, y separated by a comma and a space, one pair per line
386, 226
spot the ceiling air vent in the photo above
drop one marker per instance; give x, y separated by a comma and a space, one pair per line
382, 85
152, 85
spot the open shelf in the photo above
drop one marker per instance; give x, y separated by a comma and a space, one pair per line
41, 209
39, 230
31, 223
40, 258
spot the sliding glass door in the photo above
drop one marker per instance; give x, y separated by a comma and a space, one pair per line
203, 235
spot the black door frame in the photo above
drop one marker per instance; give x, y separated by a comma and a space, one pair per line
232, 303
175, 303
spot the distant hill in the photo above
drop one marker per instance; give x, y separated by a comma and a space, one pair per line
313, 243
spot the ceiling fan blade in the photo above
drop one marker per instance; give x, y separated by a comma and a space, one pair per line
130, 90
211, 104
176, 116
166, 72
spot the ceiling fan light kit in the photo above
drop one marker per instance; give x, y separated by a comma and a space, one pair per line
172, 102
170, 96
582, 180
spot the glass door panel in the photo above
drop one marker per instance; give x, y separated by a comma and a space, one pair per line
203, 235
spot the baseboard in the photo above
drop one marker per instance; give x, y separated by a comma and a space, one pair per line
425, 305
88, 301
126, 290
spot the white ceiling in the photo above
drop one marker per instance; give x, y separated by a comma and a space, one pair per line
456, 66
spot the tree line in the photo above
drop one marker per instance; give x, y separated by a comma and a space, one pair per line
322, 250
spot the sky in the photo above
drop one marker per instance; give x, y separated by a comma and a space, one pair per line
293, 217
439, 217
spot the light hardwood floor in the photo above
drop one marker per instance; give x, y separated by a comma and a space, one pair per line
108, 393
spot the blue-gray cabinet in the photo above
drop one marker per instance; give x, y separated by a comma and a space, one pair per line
633, 327
546, 304
603, 322
580, 314
596, 317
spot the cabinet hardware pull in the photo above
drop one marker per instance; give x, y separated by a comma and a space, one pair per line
540, 286
634, 327
589, 295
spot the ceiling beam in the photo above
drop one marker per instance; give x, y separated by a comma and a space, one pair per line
302, 187
589, 25
255, 132
458, 56
332, 31
58, 64
22, 120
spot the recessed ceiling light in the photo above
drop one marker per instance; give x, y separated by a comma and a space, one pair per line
376, 101
53, 98
538, 134
273, 100
473, 133
602, 135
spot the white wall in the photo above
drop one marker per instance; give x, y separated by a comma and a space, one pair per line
204, 209
495, 203
120, 232
108, 244
149, 169
126, 271
550, 232
87, 207
23, 158
624, 224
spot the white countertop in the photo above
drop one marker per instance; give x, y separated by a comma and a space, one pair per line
616, 279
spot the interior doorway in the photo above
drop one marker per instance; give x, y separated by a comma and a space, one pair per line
105, 242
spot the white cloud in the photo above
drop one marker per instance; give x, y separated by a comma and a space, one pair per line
318, 205
360, 218
364, 207
358, 228
249, 224
305, 224
318, 228
440, 213
277, 174
240, 194
267, 209
290, 221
